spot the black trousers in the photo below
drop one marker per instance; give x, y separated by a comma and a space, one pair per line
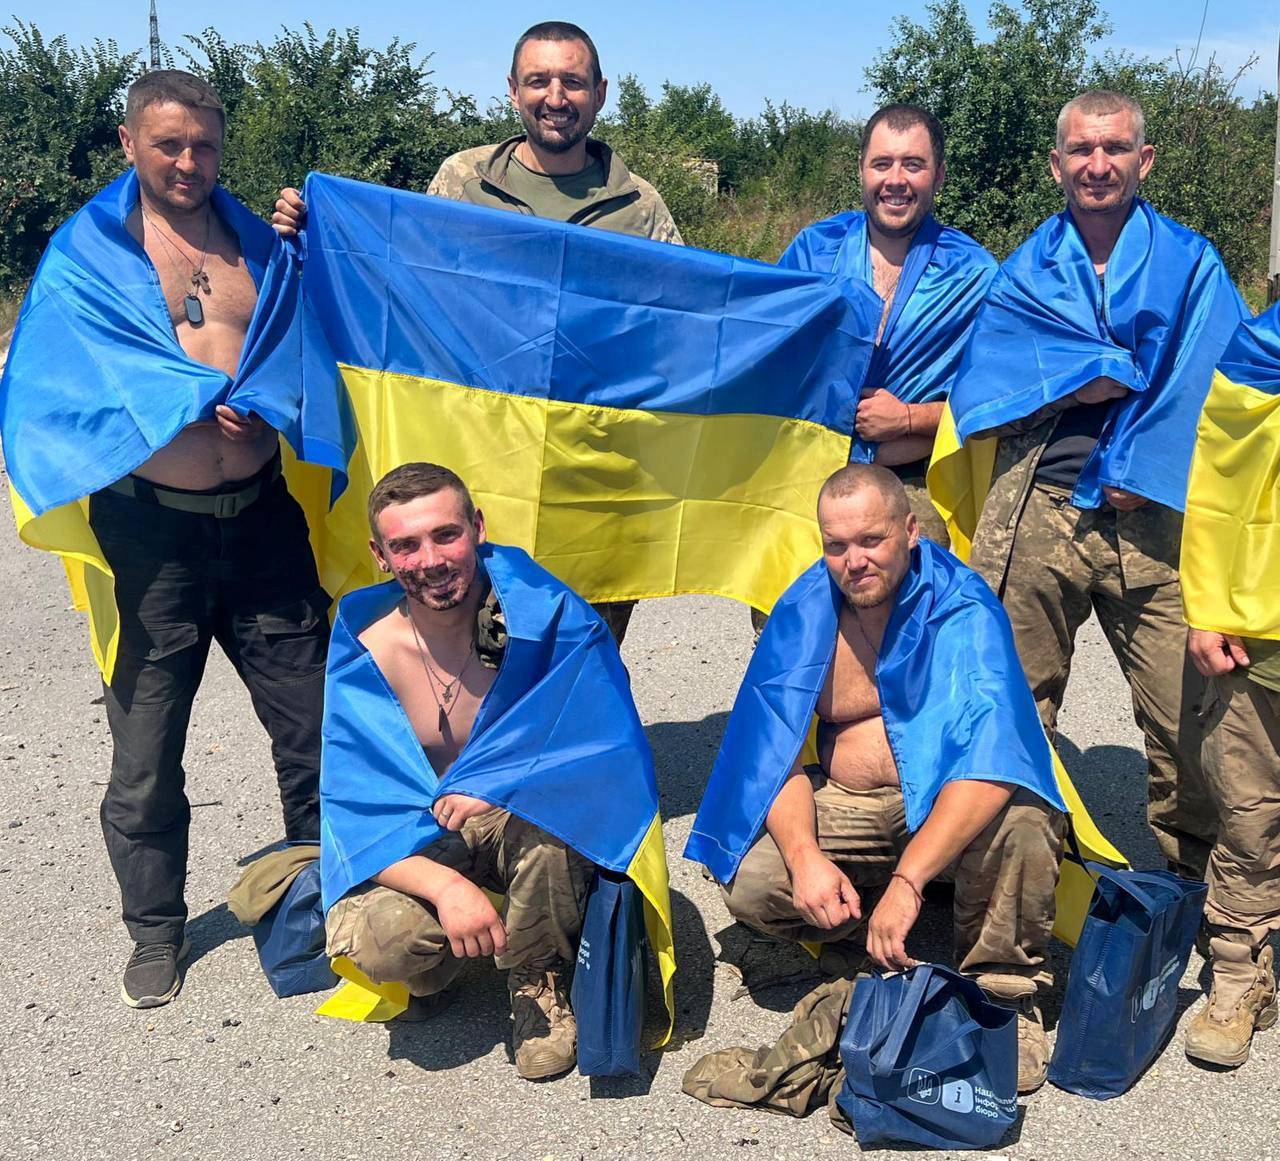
183, 580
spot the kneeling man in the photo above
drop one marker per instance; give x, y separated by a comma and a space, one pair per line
479, 736
930, 756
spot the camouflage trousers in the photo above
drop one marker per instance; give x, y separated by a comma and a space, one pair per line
1004, 880
1065, 563
392, 936
1242, 764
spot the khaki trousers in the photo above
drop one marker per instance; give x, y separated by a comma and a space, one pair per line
392, 936
1004, 880
1242, 764
1065, 563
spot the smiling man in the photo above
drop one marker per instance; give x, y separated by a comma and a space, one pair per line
554, 169
931, 279
929, 756
479, 735
156, 283
1089, 360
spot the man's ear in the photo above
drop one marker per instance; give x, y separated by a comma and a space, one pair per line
1146, 159
376, 549
913, 530
481, 534
126, 142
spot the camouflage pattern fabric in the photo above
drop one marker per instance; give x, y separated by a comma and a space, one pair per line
626, 205
391, 936
1004, 880
799, 1073
1065, 563
1242, 765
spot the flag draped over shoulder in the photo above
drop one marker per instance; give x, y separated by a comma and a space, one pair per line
952, 693
631, 413
1156, 324
1231, 536
557, 741
945, 275
96, 381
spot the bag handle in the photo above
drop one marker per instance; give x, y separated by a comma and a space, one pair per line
1123, 882
885, 1050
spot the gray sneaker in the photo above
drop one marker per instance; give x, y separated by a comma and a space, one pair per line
152, 976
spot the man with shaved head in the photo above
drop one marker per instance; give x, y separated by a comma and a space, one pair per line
930, 756
1089, 360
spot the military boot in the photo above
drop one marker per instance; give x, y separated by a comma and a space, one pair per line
1222, 1029
1022, 996
545, 1034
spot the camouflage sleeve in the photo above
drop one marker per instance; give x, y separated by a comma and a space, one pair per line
449, 180
664, 227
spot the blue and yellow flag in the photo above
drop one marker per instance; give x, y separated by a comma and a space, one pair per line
1231, 536
1156, 323
943, 279
954, 700
557, 741
633, 414
96, 382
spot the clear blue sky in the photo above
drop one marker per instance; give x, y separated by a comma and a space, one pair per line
809, 52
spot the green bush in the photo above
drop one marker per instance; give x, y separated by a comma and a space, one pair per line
309, 101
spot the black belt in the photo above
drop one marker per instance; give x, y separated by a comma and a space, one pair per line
222, 504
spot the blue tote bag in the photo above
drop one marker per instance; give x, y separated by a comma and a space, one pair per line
929, 1060
1121, 1002
290, 939
609, 979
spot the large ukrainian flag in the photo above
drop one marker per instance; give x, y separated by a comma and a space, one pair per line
1231, 537
643, 419
96, 382
557, 741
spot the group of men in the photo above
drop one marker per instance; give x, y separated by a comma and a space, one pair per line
1085, 357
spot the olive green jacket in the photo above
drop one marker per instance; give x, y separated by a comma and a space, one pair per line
627, 204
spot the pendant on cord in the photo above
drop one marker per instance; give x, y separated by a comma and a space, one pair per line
195, 311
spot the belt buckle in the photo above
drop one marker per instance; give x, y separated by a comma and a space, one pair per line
226, 505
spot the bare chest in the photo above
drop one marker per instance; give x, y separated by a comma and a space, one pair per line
210, 305
849, 693
441, 712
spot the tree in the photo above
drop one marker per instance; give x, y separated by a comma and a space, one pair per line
999, 100
329, 103
59, 109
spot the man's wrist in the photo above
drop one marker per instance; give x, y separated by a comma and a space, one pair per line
909, 884
803, 857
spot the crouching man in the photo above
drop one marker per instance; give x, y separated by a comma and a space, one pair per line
479, 736
930, 756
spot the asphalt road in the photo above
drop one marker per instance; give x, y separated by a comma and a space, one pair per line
228, 1071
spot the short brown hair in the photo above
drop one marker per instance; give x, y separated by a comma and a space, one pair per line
852, 478
182, 88
558, 31
901, 117
1102, 103
409, 482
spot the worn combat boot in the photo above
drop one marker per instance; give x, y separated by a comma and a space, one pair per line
1021, 995
1221, 1032
545, 1034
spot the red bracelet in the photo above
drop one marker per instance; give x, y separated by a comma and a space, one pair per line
914, 889
908, 407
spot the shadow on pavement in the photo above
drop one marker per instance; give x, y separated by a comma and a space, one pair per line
683, 753
477, 1018
210, 931
1112, 780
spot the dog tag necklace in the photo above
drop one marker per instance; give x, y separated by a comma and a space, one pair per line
447, 689
191, 304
